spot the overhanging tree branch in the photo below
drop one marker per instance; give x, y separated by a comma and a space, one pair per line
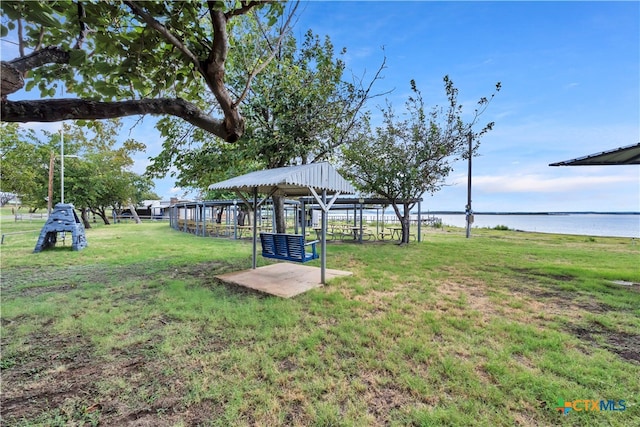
244, 8
12, 71
274, 50
48, 55
156, 25
54, 110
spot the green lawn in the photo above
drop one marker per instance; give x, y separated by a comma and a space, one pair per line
488, 331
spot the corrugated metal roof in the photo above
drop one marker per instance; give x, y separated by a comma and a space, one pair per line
629, 155
290, 181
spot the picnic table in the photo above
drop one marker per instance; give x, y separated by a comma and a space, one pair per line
354, 232
396, 233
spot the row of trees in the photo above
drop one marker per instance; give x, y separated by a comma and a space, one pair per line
297, 103
96, 173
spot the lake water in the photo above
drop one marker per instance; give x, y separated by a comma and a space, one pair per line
581, 224
621, 225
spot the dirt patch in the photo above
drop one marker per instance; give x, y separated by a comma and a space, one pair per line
527, 272
473, 293
51, 382
48, 378
28, 282
627, 346
48, 372
555, 300
383, 397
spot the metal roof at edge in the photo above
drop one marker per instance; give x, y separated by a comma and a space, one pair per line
629, 155
291, 180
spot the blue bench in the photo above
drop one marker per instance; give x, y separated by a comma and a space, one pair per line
287, 247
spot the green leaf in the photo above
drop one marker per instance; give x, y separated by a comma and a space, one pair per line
77, 57
45, 19
4, 31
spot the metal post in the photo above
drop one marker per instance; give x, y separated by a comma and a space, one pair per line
323, 242
469, 212
61, 166
235, 219
255, 225
303, 218
361, 206
419, 220
52, 158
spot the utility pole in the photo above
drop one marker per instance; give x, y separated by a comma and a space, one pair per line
61, 165
469, 212
52, 159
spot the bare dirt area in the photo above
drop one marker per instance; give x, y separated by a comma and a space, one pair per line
627, 346
55, 379
81, 389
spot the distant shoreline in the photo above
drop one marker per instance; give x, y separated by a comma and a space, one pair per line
528, 213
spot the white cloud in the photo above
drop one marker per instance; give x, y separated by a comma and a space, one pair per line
42, 126
534, 183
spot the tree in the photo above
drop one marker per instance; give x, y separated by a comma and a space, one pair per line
100, 179
132, 58
299, 110
25, 164
95, 180
19, 161
407, 157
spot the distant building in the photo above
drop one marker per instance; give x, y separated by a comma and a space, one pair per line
151, 209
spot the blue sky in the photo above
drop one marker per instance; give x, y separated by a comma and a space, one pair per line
570, 74
570, 87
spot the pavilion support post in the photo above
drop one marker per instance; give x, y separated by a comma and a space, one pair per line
303, 219
419, 220
361, 228
323, 242
255, 227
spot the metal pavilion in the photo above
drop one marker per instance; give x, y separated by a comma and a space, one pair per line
320, 180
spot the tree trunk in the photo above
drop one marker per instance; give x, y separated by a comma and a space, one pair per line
134, 214
84, 214
278, 209
102, 214
405, 222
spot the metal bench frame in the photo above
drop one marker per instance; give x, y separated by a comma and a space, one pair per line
287, 247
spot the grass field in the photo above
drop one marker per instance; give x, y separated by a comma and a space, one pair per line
488, 331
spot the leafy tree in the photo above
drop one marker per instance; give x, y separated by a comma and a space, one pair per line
407, 157
100, 179
132, 58
6, 198
97, 179
299, 110
19, 161
25, 164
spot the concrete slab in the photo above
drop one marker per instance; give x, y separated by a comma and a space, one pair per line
283, 279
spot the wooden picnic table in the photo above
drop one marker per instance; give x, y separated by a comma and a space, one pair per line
355, 232
396, 231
